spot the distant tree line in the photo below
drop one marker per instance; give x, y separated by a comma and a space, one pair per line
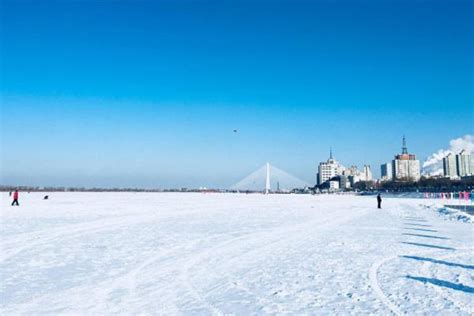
24, 188
10, 188
423, 185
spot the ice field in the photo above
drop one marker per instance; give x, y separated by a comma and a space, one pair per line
204, 254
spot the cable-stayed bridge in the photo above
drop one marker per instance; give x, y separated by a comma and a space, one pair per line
269, 178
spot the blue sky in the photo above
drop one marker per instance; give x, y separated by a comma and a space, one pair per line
147, 94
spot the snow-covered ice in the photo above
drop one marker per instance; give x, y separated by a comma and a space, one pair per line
199, 254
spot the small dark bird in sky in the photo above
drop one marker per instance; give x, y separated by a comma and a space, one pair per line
236, 130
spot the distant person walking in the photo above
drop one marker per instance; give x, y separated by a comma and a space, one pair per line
15, 198
379, 201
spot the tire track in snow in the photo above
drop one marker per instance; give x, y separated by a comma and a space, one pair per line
373, 276
277, 233
128, 280
184, 273
67, 233
374, 283
373, 271
101, 290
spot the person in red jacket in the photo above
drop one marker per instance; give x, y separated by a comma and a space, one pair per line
15, 198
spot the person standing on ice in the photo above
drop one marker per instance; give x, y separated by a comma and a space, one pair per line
379, 201
15, 198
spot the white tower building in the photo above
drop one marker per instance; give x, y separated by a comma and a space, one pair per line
329, 169
267, 180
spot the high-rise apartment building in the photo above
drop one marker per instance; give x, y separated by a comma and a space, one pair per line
386, 171
405, 167
450, 169
464, 164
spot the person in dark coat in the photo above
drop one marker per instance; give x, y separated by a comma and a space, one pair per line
15, 198
379, 201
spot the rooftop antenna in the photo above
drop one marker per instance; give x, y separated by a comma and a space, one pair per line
330, 152
404, 148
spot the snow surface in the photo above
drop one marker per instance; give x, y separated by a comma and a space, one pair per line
200, 254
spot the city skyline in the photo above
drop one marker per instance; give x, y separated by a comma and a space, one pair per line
171, 94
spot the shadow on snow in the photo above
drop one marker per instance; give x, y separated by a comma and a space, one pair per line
424, 236
427, 245
416, 219
451, 264
442, 283
420, 225
422, 229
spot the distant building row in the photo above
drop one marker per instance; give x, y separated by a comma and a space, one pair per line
334, 176
457, 166
404, 167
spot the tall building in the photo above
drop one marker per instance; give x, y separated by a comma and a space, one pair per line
329, 169
351, 171
386, 171
405, 167
367, 175
450, 169
464, 164
344, 182
353, 175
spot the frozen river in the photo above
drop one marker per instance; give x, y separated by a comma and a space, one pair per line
200, 254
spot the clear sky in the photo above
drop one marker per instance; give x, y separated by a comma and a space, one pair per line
148, 93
